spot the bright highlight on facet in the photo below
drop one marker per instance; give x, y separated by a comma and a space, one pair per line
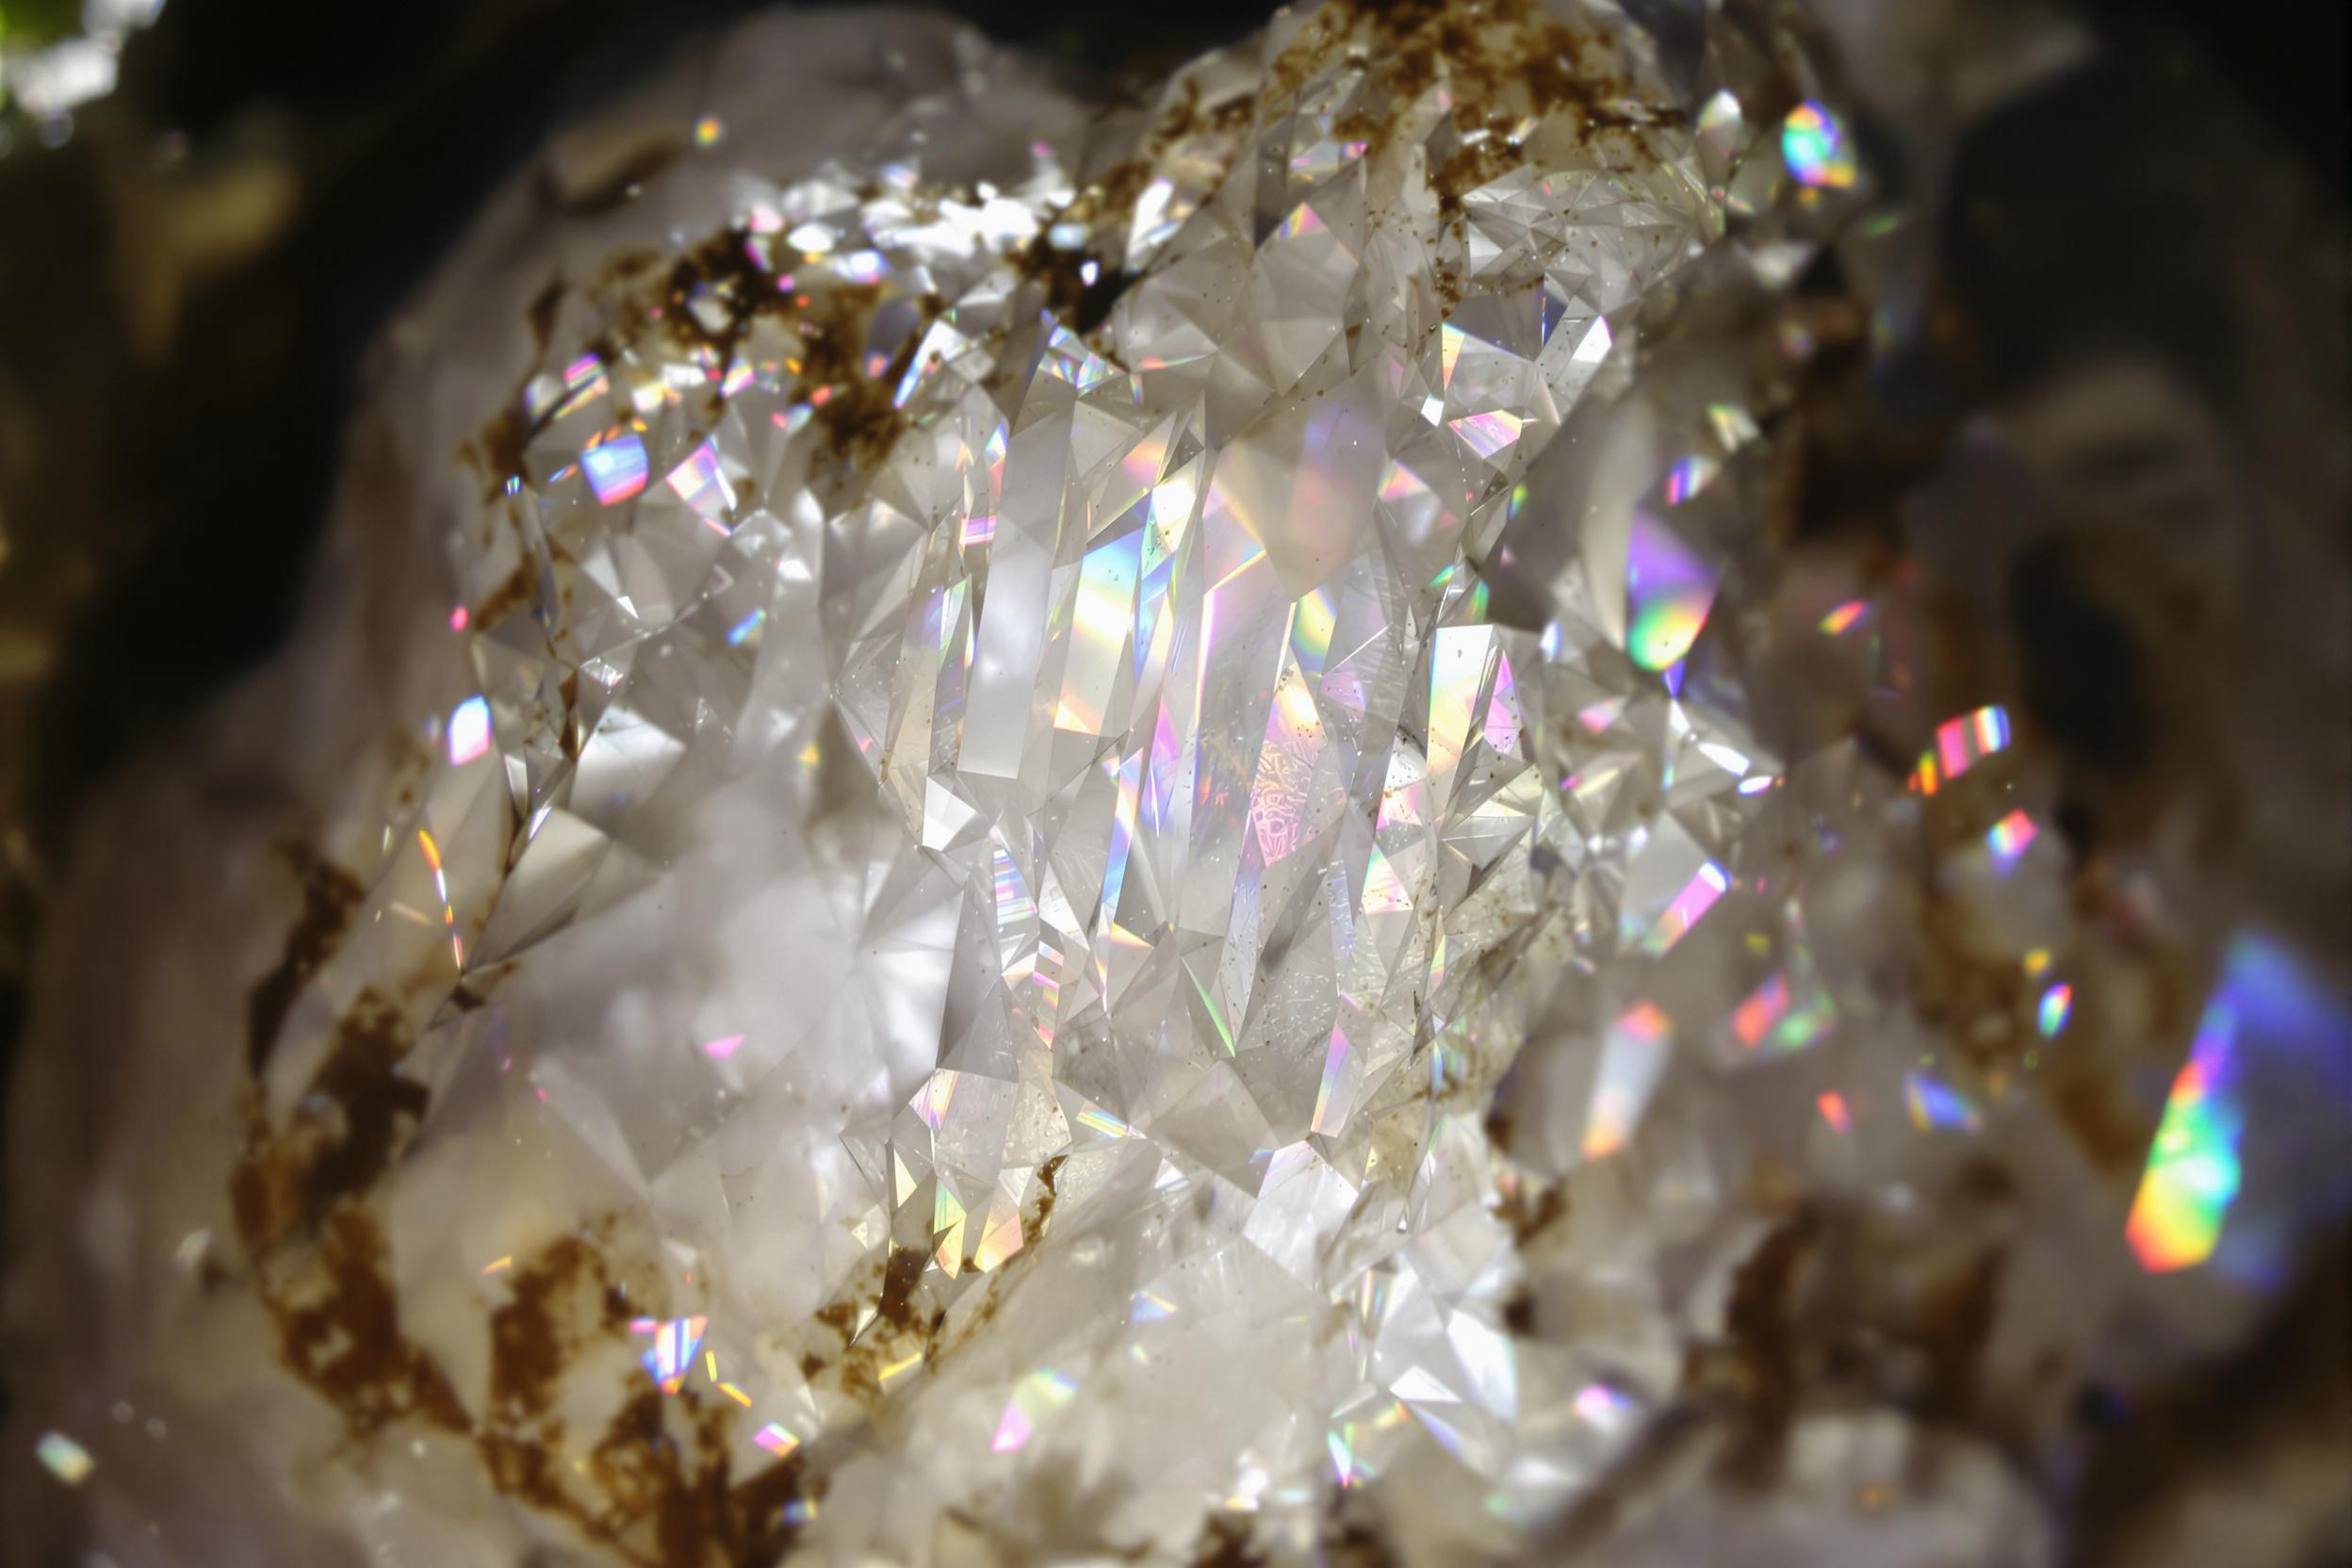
65, 1459
702, 485
1039, 1395
1961, 743
2192, 1176
2009, 838
671, 1357
1936, 1106
2050, 1013
1698, 895
1633, 1058
1769, 1015
1690, 476
1814, 146
470, 730
615, 469
1843, 618
1668, 591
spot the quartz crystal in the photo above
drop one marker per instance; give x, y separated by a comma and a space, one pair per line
1161, 858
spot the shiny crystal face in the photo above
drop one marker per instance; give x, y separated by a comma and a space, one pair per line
1068, 887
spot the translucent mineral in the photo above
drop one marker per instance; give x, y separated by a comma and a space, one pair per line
1085, 839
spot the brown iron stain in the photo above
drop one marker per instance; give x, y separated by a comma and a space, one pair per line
1225, 1543
497, 450
519, 588
1951, 1325
1048, 1173
320, 1253
1755, 1366
668, 1504
1080, 304
348, 1129
529, 1346
338, 1328
2111, 1128
330, 895
899, 1277
1528, 1217
540, 314
304, 1200
1351, 1534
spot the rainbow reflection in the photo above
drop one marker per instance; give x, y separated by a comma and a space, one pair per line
2009, 838
1813, 144
2050, 1015
701, 483
747, 629
615, 469
2192, 1172
1698, 895
1838, 620
1935, 1105
1668, 591
1040, 1395
1633, 1056
1961, 743
1690, 476
672, 1355
1768, 1017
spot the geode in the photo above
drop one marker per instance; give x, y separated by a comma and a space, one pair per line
1015, 835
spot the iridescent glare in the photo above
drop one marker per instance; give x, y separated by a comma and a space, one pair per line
671, 1356
1961, 743
1936, 1105
1633, 1056
615, 469
1690, 476
1040, 1395
2192, 1175
1814, 145
2050, 1013
1668, 591
1698, 895
701, 484
1843, 618
2009, 838
1768, 1017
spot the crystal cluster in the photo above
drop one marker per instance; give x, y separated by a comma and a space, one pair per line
1170, 860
